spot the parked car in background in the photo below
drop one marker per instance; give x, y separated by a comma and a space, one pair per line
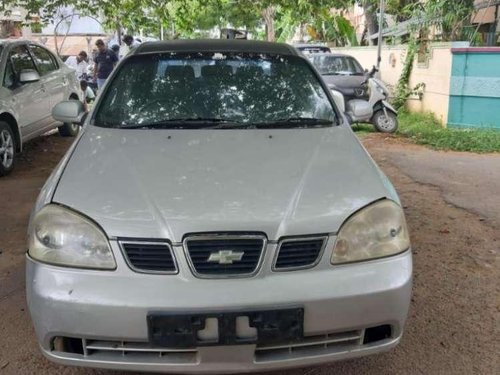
217, 215
341, 72
33, 81
310, 48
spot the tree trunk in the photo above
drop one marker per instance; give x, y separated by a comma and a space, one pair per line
371, 24
119, 33
268, 15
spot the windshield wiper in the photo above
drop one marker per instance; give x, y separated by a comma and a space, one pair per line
285, 123
181, 123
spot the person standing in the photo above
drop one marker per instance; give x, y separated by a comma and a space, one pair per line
80, 63
105, 61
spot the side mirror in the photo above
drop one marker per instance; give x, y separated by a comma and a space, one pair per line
69, 111
28, 75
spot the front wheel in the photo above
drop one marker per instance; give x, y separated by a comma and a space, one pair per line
7, 149
385, 123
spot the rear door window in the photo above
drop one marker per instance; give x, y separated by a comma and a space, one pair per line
9, 79
21, 59
44, 59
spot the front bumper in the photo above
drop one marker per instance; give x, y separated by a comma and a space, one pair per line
106, 312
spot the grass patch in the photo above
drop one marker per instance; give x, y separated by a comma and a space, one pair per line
362, 130
424, 129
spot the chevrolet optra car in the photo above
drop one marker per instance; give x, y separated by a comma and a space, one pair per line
33, 80
216, 214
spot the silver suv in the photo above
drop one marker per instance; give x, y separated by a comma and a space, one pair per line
33, 80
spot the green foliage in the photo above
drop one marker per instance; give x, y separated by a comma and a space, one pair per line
424, 129
448, 16
186, 18
362, 130
318, 19
36, 27
403, 90
332, 27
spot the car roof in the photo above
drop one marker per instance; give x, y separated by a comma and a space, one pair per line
331, 54
215, 45
312, 45
6, 42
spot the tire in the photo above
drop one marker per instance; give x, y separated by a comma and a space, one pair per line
7, 149
67, 129
383, 123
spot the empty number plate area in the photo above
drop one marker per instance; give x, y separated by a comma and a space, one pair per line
228, 328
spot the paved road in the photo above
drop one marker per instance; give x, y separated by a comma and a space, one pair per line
470, 181
453, 324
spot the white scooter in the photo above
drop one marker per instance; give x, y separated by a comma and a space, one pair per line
376, 110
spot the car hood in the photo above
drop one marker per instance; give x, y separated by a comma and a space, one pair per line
166, 183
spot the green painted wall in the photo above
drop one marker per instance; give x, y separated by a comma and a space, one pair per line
475, 88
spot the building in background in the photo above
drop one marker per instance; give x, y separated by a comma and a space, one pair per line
11, 24
485, 19
75, 33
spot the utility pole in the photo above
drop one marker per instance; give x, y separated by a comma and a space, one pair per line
380, 29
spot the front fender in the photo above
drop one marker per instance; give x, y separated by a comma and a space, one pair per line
389, 106
384, 104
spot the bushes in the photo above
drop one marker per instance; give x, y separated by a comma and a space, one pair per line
424, 129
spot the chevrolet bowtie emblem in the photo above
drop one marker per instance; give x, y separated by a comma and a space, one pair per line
225, 256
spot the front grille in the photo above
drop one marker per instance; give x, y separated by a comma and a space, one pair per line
220, 256
311, 346
154, 257
123, 351
299, 253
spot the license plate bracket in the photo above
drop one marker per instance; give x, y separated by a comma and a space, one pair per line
180, 330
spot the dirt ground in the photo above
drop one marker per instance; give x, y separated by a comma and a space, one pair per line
453, 325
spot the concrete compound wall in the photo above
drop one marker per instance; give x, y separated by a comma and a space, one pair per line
475, 88
434, 70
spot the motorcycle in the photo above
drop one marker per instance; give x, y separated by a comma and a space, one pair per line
376, 110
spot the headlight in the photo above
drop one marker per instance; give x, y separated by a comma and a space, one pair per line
376, 231
62, 237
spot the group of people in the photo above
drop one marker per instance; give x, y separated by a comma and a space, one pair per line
104, 59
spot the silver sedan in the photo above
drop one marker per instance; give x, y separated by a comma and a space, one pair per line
216, 214
33, 81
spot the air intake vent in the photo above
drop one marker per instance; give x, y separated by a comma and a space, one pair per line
298, 253
222, 256
149, 257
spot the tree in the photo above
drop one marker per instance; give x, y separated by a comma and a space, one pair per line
449, 17
370, 9
185, 17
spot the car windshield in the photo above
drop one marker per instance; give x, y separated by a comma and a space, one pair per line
337, 65
215, 91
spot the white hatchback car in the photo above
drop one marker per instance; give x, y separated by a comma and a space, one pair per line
216, 214
33, 80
